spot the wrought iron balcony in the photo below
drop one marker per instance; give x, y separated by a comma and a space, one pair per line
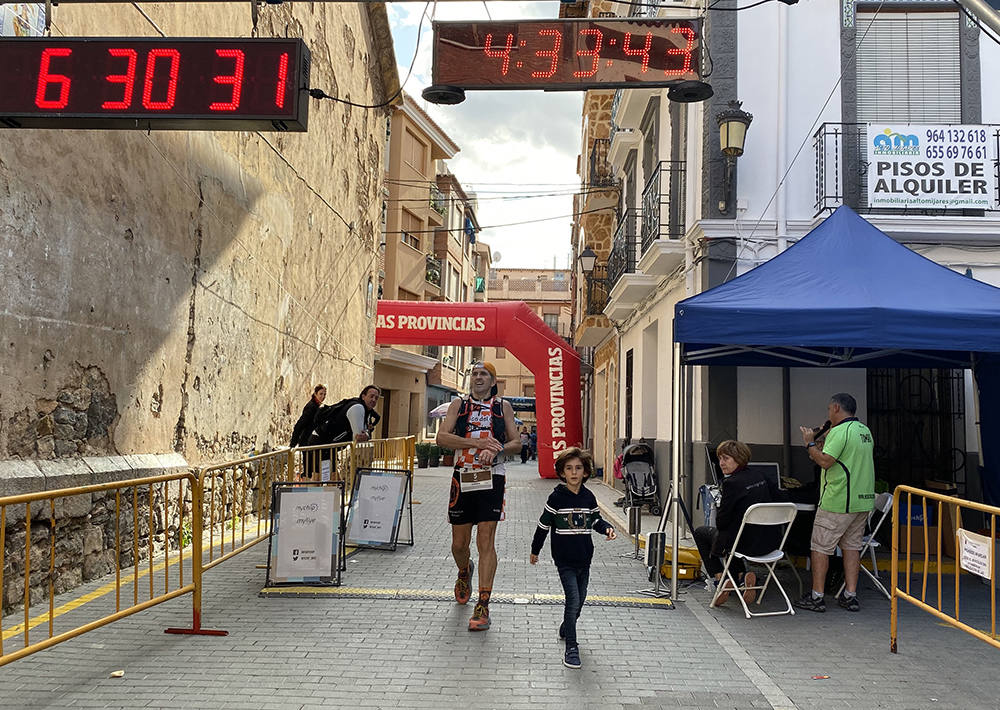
663, 200
644, 9
597, 291
433, 351
625, 248
601, 173
842, 172
438, 202
433, 273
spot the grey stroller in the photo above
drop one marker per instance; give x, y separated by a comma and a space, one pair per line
639, 475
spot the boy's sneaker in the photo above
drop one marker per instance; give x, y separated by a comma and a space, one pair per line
808, 603
572, 657
849, 603
480, 620
463, 587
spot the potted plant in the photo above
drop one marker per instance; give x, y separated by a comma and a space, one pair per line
423, 450
434, 458
447, 457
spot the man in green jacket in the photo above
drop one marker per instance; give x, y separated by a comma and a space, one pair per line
847, 495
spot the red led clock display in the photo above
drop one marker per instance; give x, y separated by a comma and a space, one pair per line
566, 54
193, 84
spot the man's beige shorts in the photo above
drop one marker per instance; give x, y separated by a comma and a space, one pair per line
833, 529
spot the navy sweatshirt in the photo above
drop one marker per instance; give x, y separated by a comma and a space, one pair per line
571, 517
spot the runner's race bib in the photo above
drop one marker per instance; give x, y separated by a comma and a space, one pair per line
475, 479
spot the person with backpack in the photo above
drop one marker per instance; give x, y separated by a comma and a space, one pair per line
480, 429
351, 419
304, 426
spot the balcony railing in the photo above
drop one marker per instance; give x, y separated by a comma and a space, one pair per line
601, 173
625, 248
663, 201
597, 291
433, 351
842, 172
438, 202
433, 273
647, 8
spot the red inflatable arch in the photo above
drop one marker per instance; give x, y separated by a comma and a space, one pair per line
511, 325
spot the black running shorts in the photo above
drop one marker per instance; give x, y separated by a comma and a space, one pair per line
475, 506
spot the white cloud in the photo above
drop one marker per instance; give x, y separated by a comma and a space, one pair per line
514, 137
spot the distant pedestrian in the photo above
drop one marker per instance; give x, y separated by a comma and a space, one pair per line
525, 445
534, 443
847, 487
571, 512
304, 426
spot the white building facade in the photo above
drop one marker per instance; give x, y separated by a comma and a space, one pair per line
813, 75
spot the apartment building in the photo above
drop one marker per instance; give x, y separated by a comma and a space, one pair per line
816, 79
430, 254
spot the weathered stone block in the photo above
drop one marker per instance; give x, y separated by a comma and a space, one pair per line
93, 539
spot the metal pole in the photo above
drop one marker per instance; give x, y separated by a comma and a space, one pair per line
675, 467
983, 12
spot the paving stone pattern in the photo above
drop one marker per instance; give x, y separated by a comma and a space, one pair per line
379, 653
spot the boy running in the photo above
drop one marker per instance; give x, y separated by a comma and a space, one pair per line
571, 512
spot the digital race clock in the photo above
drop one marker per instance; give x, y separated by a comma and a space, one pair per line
567, 54
165, 83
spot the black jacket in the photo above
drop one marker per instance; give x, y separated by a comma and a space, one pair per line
304, 426
739, 491
571, 517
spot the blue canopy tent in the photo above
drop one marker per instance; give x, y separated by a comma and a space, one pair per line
848, 295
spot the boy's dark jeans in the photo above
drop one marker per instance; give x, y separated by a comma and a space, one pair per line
574, 581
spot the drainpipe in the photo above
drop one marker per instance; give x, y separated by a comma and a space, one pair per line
781, 124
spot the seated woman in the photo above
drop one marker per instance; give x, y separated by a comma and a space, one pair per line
741, 488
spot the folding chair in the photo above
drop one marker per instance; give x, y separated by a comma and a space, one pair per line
760, 514
883, 508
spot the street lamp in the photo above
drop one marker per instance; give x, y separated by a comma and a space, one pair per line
588, 259
733, 124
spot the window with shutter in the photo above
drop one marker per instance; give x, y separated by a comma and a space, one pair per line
909, 67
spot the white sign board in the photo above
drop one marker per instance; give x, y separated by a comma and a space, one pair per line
931, 167
307, 532
975, 553
376, 508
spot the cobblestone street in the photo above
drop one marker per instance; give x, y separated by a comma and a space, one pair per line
298, 653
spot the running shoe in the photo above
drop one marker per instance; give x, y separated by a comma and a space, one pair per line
809, 604
463, 587
480, 620
572, 657
849, 603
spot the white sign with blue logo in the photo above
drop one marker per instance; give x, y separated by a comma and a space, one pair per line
931, 167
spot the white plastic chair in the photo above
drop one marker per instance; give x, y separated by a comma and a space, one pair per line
883, 508
760, 514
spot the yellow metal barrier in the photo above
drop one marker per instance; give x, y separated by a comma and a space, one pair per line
161, 494
219, 513
941, 505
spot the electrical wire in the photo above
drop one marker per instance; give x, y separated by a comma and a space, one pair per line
736, 9
498, 226
505, 198
320, 94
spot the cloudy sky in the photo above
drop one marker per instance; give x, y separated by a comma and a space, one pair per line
513, 143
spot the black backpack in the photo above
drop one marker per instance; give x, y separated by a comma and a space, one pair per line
331, 425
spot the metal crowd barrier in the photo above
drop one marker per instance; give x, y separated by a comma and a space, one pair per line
175, 491
945, 509
204, 519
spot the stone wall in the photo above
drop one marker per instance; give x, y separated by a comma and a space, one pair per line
85, 529
182, 291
